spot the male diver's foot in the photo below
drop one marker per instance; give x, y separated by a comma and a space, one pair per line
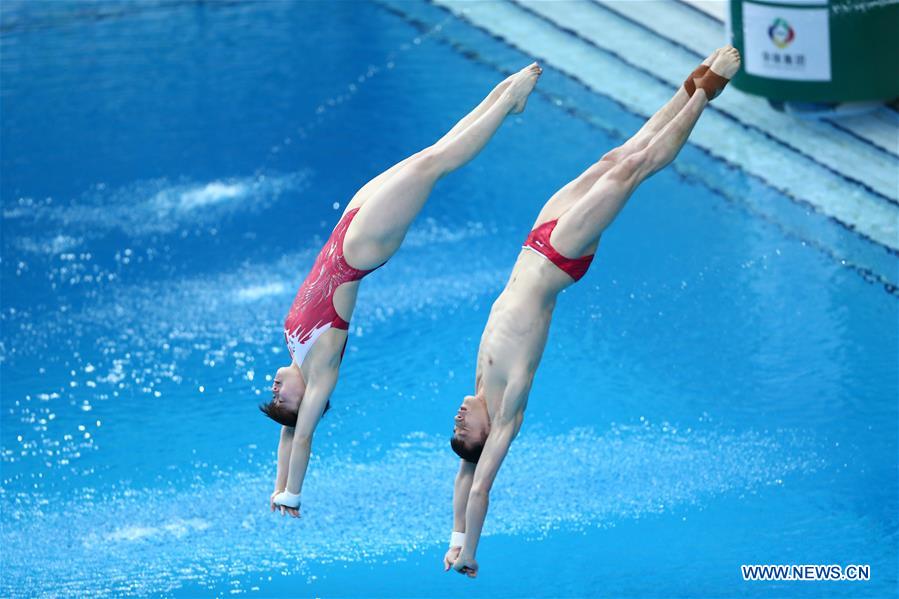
726, 62
711, 57
521, 84
698, 72
724, 66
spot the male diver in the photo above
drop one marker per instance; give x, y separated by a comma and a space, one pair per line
555, 254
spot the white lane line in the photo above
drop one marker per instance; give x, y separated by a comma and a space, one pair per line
716, 9
878, 128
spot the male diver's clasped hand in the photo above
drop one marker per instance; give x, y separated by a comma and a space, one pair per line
456, 559
466, 565
450, 558
287, 503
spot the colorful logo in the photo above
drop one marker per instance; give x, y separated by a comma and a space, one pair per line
781, 33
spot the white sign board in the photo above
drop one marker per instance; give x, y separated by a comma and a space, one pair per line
786, 43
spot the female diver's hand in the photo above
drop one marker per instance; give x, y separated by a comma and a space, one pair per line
271, 500
451, 555
467, 566
273, 503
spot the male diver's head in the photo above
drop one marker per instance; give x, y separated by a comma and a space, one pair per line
471, 425
288, 389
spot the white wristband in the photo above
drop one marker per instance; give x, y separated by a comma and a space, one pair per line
457, 539
287, 499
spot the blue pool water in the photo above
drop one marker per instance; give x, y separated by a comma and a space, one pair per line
719, 390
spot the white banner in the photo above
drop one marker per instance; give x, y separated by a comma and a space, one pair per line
786, 43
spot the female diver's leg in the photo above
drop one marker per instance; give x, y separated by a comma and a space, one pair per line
480, 109
367, 190
563, 199
381, 224
579, 228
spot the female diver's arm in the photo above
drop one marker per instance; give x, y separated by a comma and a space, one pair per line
312, 407
284, 444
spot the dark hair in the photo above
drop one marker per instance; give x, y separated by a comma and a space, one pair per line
282, 415
470, 452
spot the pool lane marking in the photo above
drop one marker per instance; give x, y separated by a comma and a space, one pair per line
749, 111
702, 8
878, 128
867, 274
697, 40
736, 145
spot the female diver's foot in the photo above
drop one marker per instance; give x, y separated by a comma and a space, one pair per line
521, 85
503, 85
497, 92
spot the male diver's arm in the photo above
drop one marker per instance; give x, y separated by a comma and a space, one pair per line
495, 450
461, 489
311, 409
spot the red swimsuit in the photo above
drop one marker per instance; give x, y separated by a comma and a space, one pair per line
312, 312
538, 241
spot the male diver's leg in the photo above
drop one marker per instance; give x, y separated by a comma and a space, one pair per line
662, 116
565, 198
579, 228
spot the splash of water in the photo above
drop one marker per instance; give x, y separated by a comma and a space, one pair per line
143, 541
154, 206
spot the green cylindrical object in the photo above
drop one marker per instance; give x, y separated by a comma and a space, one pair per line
817, 51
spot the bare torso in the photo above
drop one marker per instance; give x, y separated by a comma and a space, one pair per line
515, 335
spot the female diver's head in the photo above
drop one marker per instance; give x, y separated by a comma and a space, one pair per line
288, 389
